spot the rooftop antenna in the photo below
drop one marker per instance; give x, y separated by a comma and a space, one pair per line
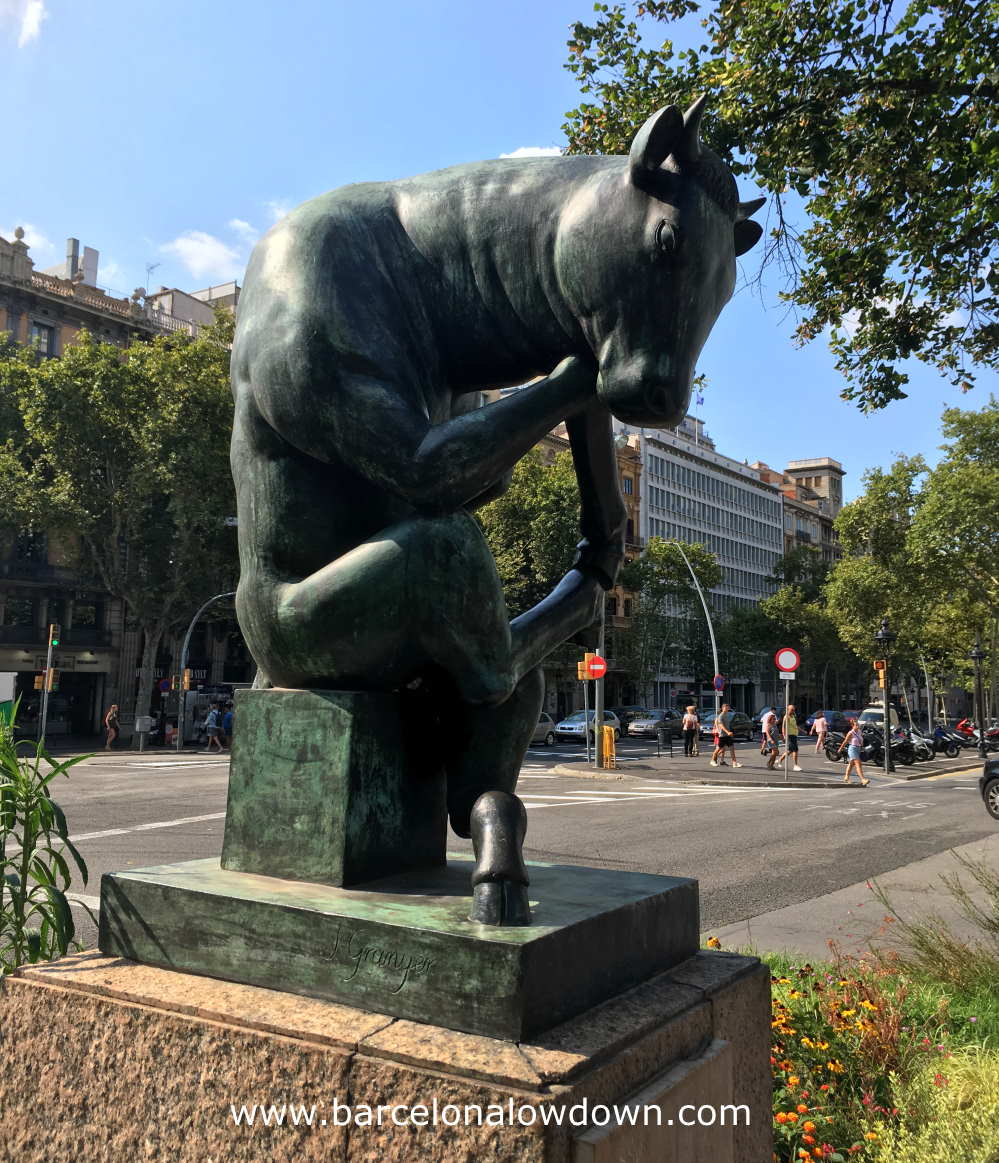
150, 267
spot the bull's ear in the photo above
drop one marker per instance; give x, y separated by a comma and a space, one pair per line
747, 235
654, 142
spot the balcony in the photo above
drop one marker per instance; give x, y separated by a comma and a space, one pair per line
36, 637
39, 571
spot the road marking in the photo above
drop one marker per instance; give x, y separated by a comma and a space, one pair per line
90, 902
181, 763
148, 827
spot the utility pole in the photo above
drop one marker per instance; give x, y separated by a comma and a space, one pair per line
54, 633
183, 663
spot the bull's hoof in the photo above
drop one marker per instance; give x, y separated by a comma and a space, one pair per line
499, 879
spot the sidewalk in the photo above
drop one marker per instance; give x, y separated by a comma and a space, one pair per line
816, 771
854, 919
65, 746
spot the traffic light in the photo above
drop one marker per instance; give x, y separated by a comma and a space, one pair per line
174, 682
187, 679
54, 634
881, 679
39, 681
53, 679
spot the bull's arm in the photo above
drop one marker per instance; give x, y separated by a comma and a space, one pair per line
603, 515
376, 428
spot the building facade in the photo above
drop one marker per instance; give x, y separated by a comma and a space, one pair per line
812, 492
39, 583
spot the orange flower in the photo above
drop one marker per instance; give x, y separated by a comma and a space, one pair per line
870, 1135
792, 1117
809, 1139
802, 1109
809, 1126
781, 1118
713, 943
793, 1080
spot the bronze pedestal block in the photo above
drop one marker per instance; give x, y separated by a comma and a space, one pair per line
405, 945
331, 787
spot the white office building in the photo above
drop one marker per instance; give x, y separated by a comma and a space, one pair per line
694, 494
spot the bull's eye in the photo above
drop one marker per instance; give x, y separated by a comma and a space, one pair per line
666, 239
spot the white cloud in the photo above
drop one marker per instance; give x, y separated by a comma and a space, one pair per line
205, 256
41, 250
535, 151
24, 15
112, 276
249, 234
278, 209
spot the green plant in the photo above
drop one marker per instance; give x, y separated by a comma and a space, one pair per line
946, 1112
36, 921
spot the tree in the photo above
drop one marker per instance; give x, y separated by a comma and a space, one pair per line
667, 620
533, 529
125, 452
883, 118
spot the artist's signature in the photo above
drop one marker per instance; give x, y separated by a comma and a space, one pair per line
351, 949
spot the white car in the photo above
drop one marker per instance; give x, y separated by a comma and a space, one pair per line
575, 727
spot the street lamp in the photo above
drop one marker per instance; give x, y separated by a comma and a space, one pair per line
885, 639
183, 661
976, 655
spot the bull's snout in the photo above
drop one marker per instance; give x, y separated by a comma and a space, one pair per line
646, 400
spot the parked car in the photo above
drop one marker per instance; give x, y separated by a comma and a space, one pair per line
575, 727
740, 724
875, 714
626, 714
836, 720
988, 784
544, 732
649, 723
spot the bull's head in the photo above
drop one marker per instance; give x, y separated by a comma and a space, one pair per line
645, 257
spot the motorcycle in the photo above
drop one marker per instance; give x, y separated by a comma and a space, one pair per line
923, 745
947, 741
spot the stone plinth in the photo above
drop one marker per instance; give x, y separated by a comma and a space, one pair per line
405, 945
333, 787
107, 1059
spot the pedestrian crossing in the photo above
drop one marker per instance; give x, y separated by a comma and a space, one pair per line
535, 797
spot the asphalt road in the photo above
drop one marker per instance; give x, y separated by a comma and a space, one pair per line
751, 848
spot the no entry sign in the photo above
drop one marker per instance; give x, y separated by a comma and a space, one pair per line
787, 659
596, 666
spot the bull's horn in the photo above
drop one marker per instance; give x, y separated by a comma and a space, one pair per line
748, 209
689, 148
654, 142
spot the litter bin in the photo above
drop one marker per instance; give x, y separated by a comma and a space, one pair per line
664, 740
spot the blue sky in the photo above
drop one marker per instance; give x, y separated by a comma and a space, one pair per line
175, 133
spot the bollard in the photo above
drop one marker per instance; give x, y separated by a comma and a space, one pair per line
610, 755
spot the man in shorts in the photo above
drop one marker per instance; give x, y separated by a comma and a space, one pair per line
789, 728
724, 739
769, 745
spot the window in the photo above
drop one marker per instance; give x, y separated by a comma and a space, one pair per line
628, 485
43, 337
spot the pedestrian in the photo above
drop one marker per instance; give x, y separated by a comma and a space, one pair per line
789, 729
724, 739
112, 726
691, 725
819, 728
227, 726
213, 728
769, 745
854, 741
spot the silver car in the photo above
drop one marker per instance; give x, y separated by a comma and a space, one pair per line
575, 727
649, 723
544, 732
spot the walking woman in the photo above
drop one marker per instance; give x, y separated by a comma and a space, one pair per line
853, 742
691, 725
112, 726
819, 728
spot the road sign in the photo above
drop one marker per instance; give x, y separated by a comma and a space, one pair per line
787, 659
596, 666
787, 675
719, 682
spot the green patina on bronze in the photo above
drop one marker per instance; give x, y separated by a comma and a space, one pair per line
331, 786
404, 945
